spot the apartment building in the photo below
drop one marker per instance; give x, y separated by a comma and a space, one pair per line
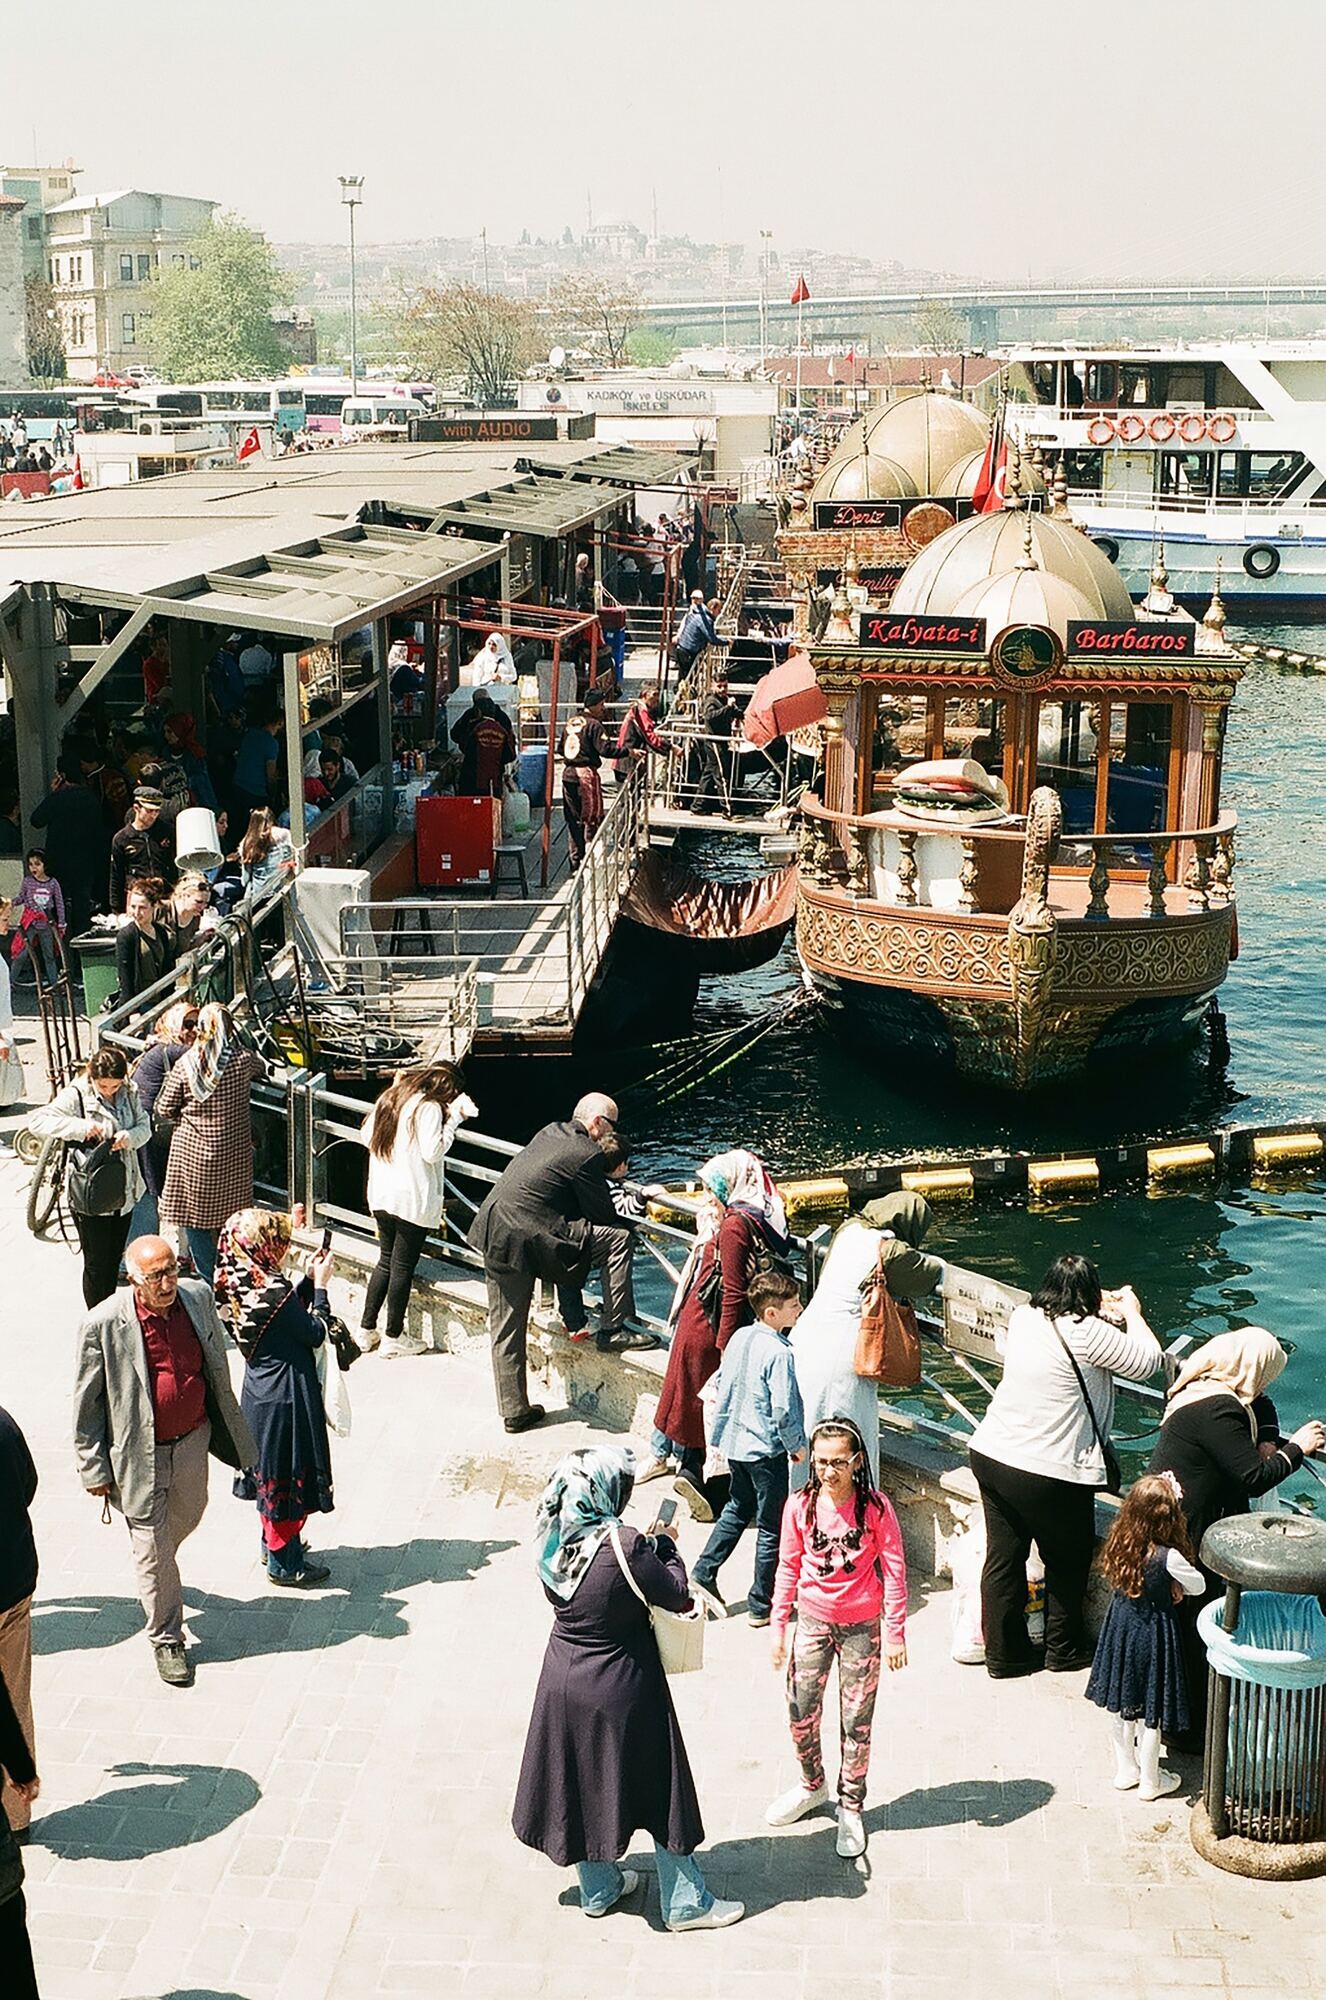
102, 254
38, 188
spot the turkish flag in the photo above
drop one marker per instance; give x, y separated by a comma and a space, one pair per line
800, 291
248, 446
850, 357
78, 475
991, 488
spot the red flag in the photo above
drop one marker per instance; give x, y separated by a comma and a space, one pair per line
248, 446
800, 291
850, 357
78, 474
991, 488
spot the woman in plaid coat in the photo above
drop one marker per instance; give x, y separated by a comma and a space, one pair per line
206, 1098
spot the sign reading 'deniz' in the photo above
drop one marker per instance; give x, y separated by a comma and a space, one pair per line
904, 634
1118, 638
857, 514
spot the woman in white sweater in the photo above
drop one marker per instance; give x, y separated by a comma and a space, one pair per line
1039, 1460
408, 1133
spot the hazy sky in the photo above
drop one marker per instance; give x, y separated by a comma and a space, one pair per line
1146, 137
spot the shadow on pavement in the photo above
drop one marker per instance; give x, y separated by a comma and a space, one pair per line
987, 1801
183, 1804
284, 1621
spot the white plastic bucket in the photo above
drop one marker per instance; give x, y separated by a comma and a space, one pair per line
197, 842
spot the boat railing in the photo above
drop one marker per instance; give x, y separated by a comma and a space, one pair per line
1028, 415
727, 777
841, 850
1261, 515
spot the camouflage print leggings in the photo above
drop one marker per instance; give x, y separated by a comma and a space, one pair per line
857, 1649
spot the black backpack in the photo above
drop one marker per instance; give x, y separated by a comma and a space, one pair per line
96, 1179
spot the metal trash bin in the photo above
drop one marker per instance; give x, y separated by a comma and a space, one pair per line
1263, 1805
96, 958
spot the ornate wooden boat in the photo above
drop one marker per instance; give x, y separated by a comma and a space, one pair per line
1097, 917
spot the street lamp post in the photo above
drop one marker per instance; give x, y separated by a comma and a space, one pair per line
766, 237
352, 193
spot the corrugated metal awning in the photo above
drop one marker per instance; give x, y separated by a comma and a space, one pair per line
322, 589
624, 465
537, 505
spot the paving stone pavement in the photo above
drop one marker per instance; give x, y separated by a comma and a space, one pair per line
325, 1814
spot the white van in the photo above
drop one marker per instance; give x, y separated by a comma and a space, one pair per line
379, 416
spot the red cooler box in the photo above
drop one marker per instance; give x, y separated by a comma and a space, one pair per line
454, 841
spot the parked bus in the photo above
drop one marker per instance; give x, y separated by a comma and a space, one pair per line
281, 403
379, 416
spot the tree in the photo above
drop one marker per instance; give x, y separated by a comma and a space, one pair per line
938, 328
597, 312
212, 314
45, 340
461, 329
648, 347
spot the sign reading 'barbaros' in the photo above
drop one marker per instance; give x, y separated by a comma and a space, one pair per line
903, 634
857, 513
1120, 636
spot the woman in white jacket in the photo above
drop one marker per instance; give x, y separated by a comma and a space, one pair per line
408, 1133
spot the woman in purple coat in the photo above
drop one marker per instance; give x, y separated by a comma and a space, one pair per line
604, 1757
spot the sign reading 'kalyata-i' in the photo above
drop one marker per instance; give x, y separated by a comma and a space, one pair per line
1119, 638
903, 633
857, 514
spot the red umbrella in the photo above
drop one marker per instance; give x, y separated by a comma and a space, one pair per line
783, 700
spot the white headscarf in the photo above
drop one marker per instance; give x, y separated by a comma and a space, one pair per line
741, 1180
1243, 1364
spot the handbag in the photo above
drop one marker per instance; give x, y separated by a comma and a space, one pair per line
888, 1346
96, 1182
11, 1075
1113, 1469
679, 1635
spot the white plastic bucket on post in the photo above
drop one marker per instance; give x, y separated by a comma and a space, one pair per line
197, 842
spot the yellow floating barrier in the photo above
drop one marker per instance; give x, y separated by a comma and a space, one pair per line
1063, 1176
830, 1191
1285, 1149
940, 1183
1176, 1162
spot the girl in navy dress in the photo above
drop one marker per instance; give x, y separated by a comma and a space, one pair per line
1138, 1672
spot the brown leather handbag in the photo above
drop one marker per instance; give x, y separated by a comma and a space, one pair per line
888, 1347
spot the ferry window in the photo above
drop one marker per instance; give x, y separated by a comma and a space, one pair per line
1140, 734
973, 728
1272, 472
1230, 474
900, 734
1042, 380
1066, 752
1184, 472
1135, 385
1102, 381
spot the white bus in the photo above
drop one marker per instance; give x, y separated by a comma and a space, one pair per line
379, 416
281, 403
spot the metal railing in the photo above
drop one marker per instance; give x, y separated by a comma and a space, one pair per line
1254, 516
1026, 416
724, 776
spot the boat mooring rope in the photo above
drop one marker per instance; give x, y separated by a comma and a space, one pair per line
706, 1056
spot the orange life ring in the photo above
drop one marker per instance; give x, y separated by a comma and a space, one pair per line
1100, 430
1129, 428
1221, 427
1192, 428
1161, 428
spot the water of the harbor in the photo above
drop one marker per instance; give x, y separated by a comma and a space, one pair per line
809, 1102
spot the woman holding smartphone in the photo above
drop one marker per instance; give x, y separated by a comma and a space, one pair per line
278, 1327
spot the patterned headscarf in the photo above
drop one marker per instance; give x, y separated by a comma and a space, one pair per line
210, 1052
580, 1504
249, 1284
742, 1181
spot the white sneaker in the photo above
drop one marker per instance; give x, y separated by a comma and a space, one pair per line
716, 1918
687, 1490
657, 1468
367, 1339
1166, 1782
630, 1883
791, 1806
851, 1833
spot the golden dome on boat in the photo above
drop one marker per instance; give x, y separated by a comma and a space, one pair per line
1026, 596
986, 546
864, 475
927, 435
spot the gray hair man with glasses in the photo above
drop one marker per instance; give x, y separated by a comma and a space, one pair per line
152, 1398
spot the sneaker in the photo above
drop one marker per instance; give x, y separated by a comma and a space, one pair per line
657, 1468
716, 1918
707, 1597
409, 1343
757, 1618
630, 1883
686, 1489
173, 1666
851, 1833
307, 1578
794, 1805
1166, 1782
367, 1339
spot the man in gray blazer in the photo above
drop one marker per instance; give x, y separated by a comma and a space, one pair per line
152, 1397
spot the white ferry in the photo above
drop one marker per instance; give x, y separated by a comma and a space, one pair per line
1217, 447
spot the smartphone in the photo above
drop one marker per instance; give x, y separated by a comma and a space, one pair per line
325, 1244
666, 1514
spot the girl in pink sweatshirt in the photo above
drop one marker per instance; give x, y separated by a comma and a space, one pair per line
840, 1564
